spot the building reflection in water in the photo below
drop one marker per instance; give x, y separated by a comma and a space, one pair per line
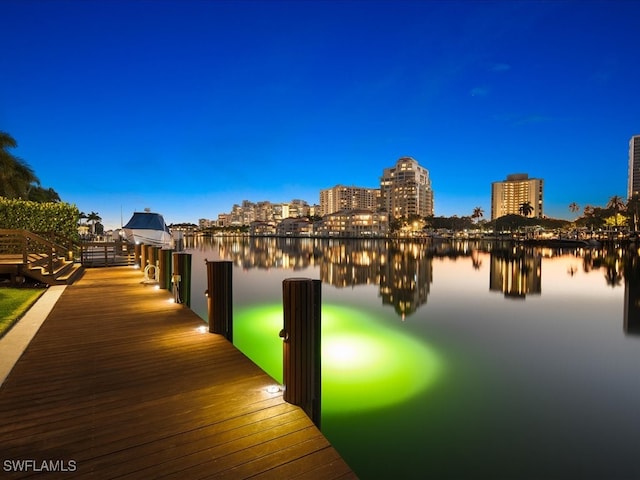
632, 295
516, 271
406, 273
402, 271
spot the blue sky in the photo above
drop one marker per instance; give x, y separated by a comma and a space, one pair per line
187, 107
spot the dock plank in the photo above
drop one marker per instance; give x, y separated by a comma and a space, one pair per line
119, 380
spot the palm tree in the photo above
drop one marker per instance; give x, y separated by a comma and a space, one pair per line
93, 217
16, 176
574, 207
40, 194
526, 208
617, 205
588, 211
477, 214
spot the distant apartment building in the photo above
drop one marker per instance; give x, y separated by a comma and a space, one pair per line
223, 220
298, 208
262, 228
633, 187
342, 197
248, 212
405, 189
508, 195
353, 223
205, 223
295, 227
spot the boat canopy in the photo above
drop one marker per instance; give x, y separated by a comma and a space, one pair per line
147, 221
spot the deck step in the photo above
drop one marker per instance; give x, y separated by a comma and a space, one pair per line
70, 275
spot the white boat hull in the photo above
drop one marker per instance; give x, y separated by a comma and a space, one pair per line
148, 228
157, 238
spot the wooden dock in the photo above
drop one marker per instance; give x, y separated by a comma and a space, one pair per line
119, 383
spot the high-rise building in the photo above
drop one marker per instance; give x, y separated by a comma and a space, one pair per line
348, 198
633, 187
406, 189
508, 196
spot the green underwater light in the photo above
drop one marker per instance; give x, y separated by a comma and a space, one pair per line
365, 363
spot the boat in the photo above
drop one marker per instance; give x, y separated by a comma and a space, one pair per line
148, 228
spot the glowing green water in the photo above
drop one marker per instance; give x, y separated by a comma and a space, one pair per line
364, 363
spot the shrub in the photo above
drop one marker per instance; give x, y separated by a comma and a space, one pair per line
58, 217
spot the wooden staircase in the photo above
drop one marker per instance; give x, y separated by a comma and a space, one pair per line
64, 272
26, 254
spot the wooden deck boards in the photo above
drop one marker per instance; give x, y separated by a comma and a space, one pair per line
119, 381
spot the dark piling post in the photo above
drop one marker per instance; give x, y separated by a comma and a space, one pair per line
154, 259
301, 344
153, 255
148, 251
143, 256
181, 278
219, 298
164, 257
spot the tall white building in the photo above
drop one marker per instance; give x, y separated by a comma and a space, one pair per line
508, 195
341, 197
633, 187
405, 189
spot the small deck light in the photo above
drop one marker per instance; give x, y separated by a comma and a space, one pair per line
273, 389
201, 329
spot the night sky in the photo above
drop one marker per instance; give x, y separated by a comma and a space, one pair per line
187, 107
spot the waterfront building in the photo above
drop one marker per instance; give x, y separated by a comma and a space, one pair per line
205, 223
294, 226
354, 223
405, 189
633, 187
223, 220
508, 195
248, 212
342, 197
262, 228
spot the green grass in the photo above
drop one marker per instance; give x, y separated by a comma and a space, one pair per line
14, 302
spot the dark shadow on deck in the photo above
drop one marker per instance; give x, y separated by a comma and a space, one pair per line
118, 383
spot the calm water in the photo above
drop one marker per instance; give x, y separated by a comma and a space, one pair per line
456, 360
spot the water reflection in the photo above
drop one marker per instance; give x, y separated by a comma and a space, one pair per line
516, 271
402, 271
632, 295
509, 383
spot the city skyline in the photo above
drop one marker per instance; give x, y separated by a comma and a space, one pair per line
189, 107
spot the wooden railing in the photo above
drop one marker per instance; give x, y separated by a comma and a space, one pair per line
103, 254
34, 249
48, 250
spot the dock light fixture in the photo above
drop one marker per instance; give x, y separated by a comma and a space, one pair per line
202, 329
273, 389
